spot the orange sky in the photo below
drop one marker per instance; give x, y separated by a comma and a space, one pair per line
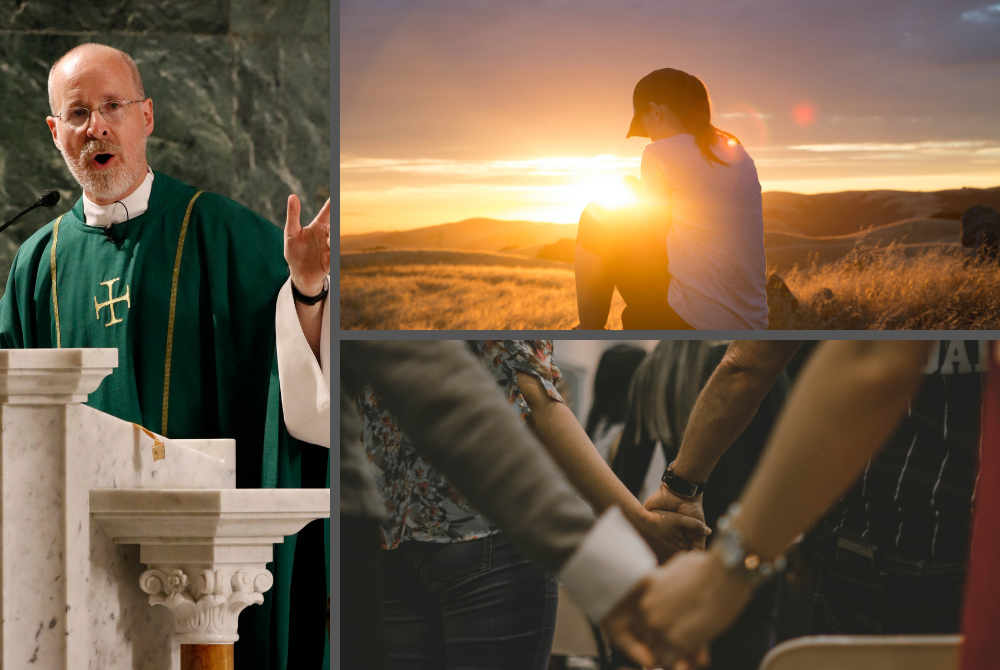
518, 110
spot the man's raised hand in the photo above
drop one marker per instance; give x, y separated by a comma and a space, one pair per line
665, 499
307, 250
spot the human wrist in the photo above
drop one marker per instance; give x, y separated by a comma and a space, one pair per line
682, 487
687, 470
309, 286
723, 575
742, 553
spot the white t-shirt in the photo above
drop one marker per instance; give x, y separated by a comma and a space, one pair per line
716, 240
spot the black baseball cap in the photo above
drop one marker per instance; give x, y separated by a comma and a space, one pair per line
658, 86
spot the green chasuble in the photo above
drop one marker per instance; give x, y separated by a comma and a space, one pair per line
186, 292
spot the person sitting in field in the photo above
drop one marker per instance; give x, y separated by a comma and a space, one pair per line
691, 255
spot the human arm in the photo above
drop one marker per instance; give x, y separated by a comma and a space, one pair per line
450, 409
570, 447
304, 381
307, 251
725, 407
844, 406
302, 332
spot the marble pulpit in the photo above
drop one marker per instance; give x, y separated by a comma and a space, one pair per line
114, 541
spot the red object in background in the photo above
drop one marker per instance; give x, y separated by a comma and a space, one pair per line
981, 614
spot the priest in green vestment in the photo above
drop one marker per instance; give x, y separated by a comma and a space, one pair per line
184, 284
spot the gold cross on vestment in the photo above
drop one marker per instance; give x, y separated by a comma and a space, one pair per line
110, 303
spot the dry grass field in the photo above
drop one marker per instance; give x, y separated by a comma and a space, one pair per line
868, 281
888, 288
432, 289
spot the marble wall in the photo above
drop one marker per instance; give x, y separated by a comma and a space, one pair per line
240, 88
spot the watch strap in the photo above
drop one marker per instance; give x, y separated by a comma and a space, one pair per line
681, 486
311, 300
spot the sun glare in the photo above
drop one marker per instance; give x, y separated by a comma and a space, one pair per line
613, 195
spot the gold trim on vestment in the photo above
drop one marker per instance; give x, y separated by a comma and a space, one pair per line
52, 269
173, 309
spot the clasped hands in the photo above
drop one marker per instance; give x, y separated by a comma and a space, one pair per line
672, 614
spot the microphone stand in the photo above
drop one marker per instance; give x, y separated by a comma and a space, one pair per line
48, 199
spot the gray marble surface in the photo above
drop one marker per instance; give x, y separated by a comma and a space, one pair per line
240, 89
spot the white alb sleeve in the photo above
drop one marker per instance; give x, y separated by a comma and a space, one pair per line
305, 382
610, 561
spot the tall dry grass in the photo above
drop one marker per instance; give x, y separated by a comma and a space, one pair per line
443, 296
884, 288
894, 287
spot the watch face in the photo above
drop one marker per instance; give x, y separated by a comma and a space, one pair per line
731, 551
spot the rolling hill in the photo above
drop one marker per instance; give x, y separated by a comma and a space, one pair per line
826, 218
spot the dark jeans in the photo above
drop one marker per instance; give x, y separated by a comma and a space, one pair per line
636, 259
467, 605
362, 627
885, 594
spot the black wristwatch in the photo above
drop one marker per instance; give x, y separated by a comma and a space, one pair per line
680, 486
312, 300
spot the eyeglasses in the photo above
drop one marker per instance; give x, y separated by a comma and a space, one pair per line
113, 111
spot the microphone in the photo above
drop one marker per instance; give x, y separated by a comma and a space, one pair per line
48, 199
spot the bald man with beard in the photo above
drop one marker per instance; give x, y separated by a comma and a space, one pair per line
184, 284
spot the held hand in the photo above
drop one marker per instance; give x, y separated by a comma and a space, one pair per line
665, 499
687, 604
307, 250
669, 532
626, 629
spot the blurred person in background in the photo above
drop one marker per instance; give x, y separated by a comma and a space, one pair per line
981, 609
611, 387
457, 593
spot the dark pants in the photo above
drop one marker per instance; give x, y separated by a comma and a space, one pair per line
476, 604
362, 626
636, 259
887, 595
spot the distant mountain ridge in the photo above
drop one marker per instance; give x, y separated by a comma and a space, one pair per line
819, 215
477, 234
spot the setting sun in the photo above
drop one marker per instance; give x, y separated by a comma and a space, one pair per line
614, 194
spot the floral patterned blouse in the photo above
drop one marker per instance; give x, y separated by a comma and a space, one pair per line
420, 503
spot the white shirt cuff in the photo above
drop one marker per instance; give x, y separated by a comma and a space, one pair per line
305, 382
607, 565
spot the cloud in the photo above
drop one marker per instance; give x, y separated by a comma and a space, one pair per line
534, 167
745, 115
985, 15
963, 146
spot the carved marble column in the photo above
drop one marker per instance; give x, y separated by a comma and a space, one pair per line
206, 603
206, 551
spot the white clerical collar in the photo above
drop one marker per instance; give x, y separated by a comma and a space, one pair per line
127, 208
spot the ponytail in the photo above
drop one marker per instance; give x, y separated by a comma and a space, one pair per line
693, 107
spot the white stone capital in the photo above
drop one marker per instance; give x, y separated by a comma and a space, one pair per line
206, 550
206, 604
53, 376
